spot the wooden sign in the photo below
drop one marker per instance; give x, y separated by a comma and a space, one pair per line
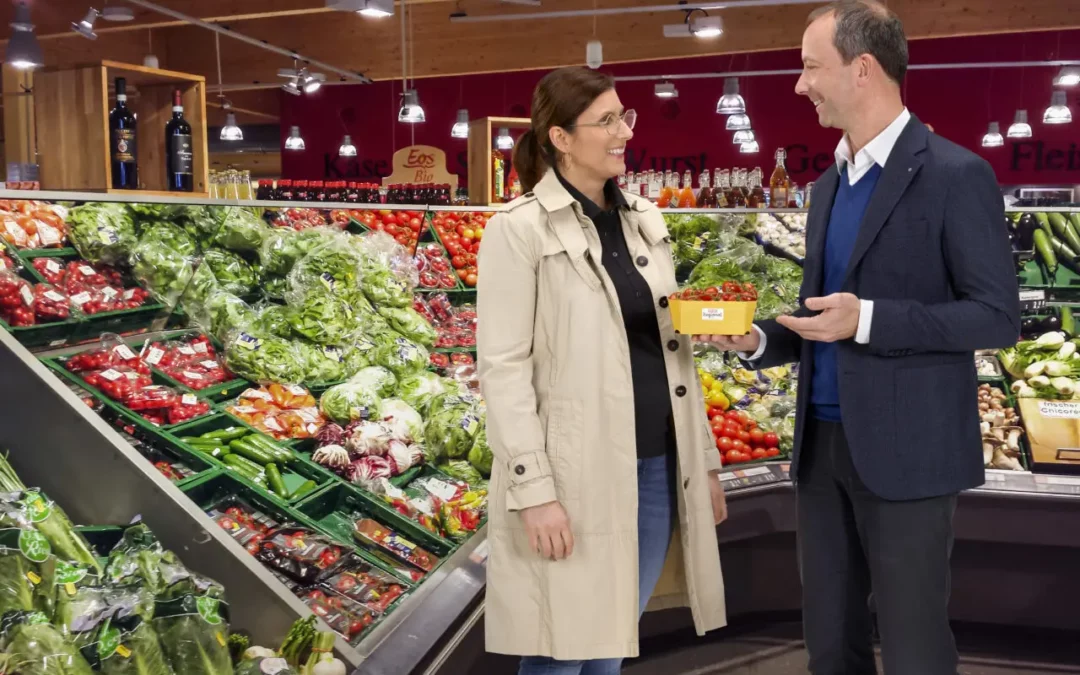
420, 164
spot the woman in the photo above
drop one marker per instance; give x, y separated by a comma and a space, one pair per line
595, 414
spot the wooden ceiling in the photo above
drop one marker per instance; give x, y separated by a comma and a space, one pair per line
445, 48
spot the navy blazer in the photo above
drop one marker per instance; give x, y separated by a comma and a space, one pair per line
933, 254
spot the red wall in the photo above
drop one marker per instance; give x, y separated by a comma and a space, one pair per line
685, 132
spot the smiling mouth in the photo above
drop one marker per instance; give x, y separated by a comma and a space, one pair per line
618, 152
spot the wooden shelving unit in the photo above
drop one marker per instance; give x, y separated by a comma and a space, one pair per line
481, 141
72, 110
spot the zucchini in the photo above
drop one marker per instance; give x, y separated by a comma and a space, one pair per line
302, 489
217, 451
1068, 323
1063, 231
227, 434
280, 453
243, 464
1044, 222
256, 454
1074, 219
1045, 250
277, 483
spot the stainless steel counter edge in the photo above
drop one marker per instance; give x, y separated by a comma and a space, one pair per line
98, 478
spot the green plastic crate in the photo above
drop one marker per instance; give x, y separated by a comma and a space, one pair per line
165, 447
121, 322
55, 334
333, 508
31, 253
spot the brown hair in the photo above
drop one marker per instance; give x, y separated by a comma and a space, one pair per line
558, 101
868, 27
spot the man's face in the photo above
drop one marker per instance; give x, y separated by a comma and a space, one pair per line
826, 81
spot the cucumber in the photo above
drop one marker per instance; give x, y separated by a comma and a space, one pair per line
280, 453
256, 454
227, 434
1045, 250
1044, 222
217, 451
243, 464
1068, 323
302, 489
277, 483
1063, 230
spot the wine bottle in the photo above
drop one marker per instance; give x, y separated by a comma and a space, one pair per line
125, 169
179, 155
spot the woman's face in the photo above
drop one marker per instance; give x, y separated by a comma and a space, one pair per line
597, 143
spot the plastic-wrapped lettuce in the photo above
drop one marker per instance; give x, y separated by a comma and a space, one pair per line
148, 212
381, 250
333, 266
420, 389
463, 470
34, 647
350, 401
274, 287
480, 455
225, 313
452, 424
383, 289
321, 363
232, 272
401, 356
273, 319
323, 317
282, 248
200, 222
410, 323
161, 269
263, 358
102, 232
241, 230
378, 379
198, 291
170, 235
357, 354
407, 424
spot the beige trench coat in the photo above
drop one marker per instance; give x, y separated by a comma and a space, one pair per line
555, 373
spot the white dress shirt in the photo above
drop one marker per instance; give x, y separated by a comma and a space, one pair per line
877, 151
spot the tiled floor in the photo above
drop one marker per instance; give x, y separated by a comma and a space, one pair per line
777, 649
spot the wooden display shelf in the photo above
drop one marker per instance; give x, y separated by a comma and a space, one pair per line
481, 135
72, 110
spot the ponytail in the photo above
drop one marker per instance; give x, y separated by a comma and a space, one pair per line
530, 160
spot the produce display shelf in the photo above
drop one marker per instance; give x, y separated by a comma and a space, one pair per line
31, 253
122, 322
55, 334
153, 445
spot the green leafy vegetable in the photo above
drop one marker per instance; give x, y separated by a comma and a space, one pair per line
376, 378
420, 389
263, 358
323, 318
162, 270
452, 425
322, 363
401, 356
349, 401
38, 648
194, 634
102, 232
232, 272
480, 455
241, 230
410, 323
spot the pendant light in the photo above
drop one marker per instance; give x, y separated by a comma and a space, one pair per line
731, 103
1020, 127
665, 90
738, 122
231, 131
504, 141
346, 149
743, 136
411, 111
993, 138
310, 82
749, 148
85, 27
1069, 76
23, 51
461, 127
295, 141
1058, 112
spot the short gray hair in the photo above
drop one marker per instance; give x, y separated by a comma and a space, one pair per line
868, 27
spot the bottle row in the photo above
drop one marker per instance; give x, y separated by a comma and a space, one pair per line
353, 192
124, 138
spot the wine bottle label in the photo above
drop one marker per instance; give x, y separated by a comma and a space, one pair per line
124, 145
180, 147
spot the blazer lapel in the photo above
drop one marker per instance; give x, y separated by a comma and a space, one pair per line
901, 168
817, 224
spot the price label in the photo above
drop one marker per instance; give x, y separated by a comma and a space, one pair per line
257, 393
441, 489
192, 376
186, 351
272, 424
54, 296
296, 390
109, 292
1059, 409
110, 375
27, 296
209, 364
86, 270
124, 352
189, 399
153, 357
244, 410
53, 267
81, 299
712, 313
199, 347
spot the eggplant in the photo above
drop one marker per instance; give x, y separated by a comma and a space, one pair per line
1050, 323
1025, 231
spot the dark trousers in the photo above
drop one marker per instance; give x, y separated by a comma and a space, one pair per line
852, 544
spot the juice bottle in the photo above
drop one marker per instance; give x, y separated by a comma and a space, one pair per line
779, 182
721, 188
667, 192
794, 198
706, 198
687, 200
757, 193
738, 190
498, 177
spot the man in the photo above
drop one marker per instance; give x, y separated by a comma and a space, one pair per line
908, 270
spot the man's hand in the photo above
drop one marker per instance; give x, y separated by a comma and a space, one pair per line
839, 318
719, 500
548, 528
748, 343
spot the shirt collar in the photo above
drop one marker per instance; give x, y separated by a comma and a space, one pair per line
877, 151
591, 209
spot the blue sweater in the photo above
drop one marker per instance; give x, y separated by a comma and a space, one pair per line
844, 221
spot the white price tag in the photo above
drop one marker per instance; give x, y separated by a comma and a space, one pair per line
81, 299
296, 390
129, 294
124, 352
27, 296
192, 376
1060, 409
186, 350
272, 424
244, 410
48, 234
199, 347
54, 296
52, 266
86, 270
153, 357
110, 375
189, 399
440, 489
109, 292
257, 393
1032, 295
209, 364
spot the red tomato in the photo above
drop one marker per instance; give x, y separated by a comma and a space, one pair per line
467, 234
458, 262
723, 444
771, 440
772, 452
758, 453
715, 413
744, 436
732, 415
414, 224
470, 280
757, 436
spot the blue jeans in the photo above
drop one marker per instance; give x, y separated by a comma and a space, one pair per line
656, 521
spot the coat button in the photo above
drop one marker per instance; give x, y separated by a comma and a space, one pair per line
642, 261
519, 469
680, 391
664, 301
673, 345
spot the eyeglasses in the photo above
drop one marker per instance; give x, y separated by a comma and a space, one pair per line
612, 123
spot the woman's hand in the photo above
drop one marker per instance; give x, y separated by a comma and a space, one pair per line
548, 528
747, 344
719, 500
